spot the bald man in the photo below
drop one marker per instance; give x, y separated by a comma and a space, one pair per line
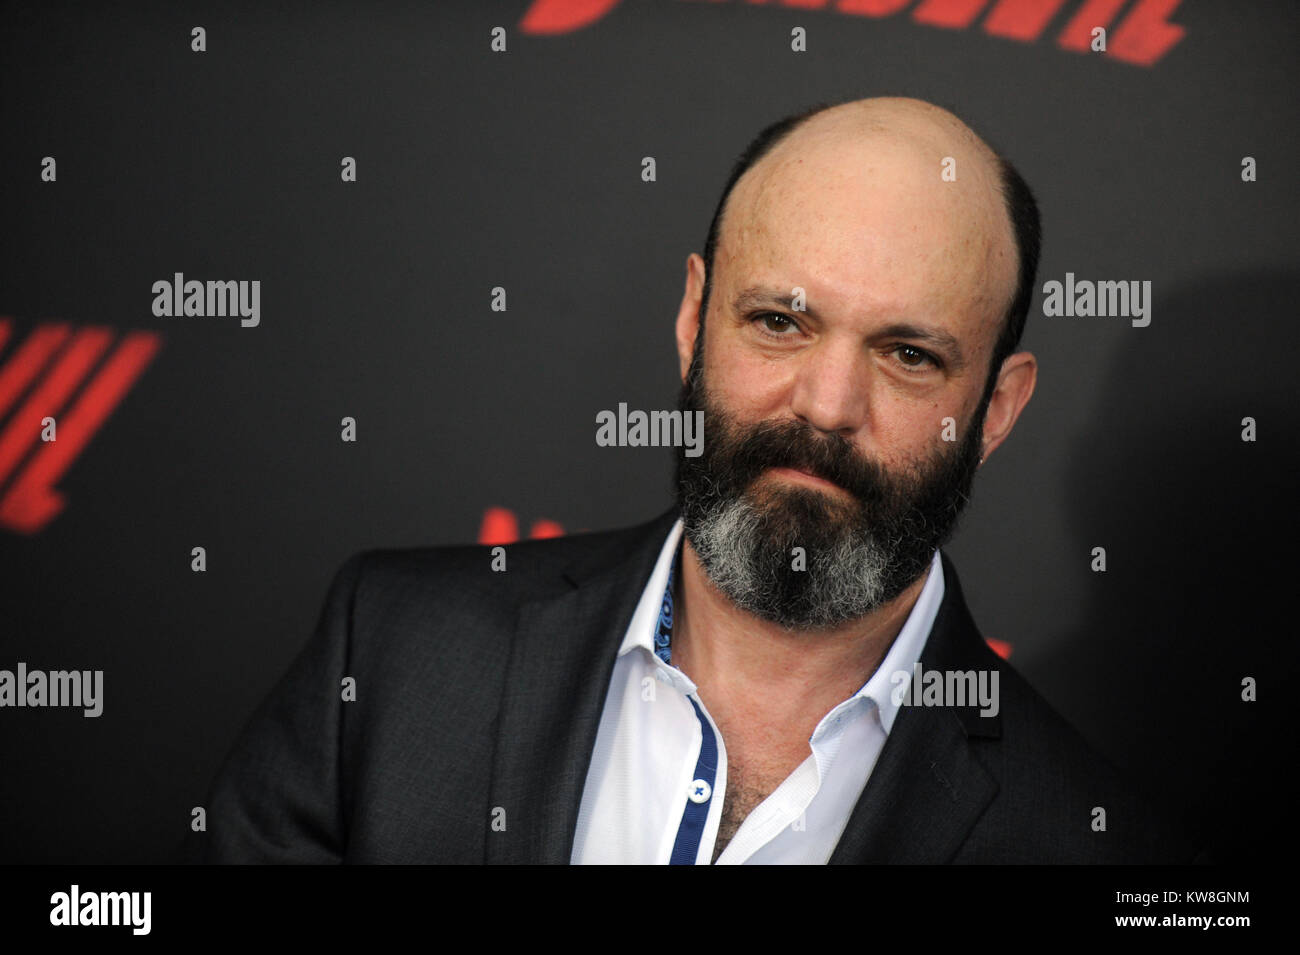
782, 669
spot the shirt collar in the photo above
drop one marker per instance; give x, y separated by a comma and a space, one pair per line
902, 655
907, 646
640, 632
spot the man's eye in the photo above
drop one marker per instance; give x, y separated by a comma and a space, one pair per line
776, 324
913, 357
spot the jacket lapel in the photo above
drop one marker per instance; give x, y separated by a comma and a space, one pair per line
927, 788
563, 657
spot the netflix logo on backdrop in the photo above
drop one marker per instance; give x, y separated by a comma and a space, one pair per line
57, 388
1142, 35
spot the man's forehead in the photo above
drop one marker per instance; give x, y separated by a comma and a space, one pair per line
876, 208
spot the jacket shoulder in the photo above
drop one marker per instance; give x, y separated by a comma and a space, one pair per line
459, 601
479, 580
378, 743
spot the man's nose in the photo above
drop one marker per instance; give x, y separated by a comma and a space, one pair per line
831, 387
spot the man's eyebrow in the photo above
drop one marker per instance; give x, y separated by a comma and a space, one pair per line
756, 297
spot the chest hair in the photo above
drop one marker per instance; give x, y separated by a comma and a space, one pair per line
745, 790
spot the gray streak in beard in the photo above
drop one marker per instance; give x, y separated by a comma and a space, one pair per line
842, 584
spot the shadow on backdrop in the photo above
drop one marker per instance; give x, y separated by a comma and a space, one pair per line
1198, 527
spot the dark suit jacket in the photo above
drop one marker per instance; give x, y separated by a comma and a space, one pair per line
478, 697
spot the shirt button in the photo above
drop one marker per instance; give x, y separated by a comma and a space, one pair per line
700, 791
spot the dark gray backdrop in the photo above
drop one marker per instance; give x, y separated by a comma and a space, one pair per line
522, 169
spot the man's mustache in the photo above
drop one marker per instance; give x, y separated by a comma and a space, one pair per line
831, 457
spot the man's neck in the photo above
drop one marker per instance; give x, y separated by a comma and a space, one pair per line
765, 674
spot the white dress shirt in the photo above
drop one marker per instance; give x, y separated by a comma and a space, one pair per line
647, 792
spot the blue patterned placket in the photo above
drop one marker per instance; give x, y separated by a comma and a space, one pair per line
695, 813
664, 628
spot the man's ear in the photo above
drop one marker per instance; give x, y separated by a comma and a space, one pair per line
1015, 384
688, 313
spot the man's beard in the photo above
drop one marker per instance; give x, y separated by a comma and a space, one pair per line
860, 552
